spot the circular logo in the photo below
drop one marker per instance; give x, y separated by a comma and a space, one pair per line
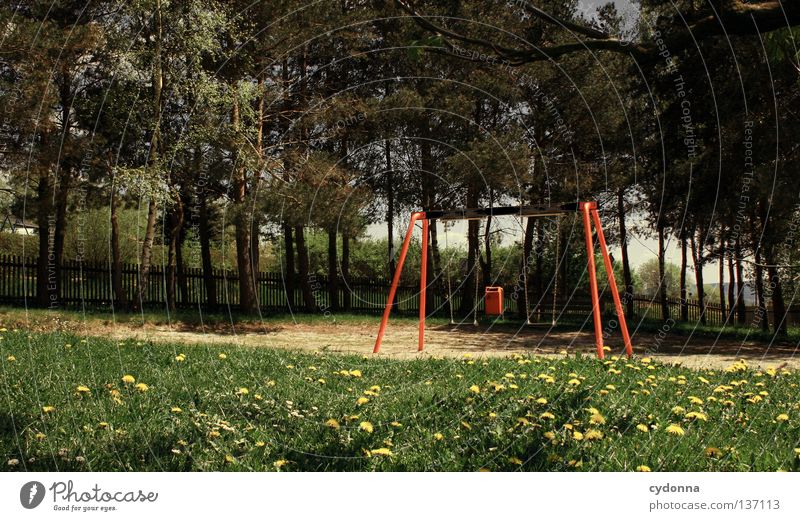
31, 494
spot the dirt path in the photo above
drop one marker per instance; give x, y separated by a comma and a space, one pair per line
400, 341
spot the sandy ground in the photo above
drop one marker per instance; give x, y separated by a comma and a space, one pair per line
400, 341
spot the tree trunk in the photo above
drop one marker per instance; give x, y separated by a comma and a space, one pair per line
684, 262
626, 265
289, 276
175, 227
209, 280
120, 297
348, 303
333, 271
778, 306
43, 271
183, 283
662, 290
527, 247
437, 273
731, 288
761, 303
243, 222
154, 154
303, 270
255, 248
722, 283
60, 232
390, 217
146, 255
469, 285
697, 260
741, 312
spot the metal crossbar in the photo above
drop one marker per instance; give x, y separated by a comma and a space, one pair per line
468, 214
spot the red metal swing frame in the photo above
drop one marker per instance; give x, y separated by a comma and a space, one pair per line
590, 215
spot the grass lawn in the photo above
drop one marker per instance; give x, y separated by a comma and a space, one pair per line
66, 406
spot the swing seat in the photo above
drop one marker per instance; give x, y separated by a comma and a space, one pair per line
494, 300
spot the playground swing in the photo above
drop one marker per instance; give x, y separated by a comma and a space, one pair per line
524, 270
590, 215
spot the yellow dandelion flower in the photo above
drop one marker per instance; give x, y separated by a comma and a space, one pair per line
280, 463
474, 389
356, 373
243, 390
396, 424
180, 358
643, 468
176, 410
515, 460
82, 389
695, 400
222, 356
214, 434
128, 379
438, 436
523, 421
333, 424
362, 400
574, 382
547, 415
678, 410
40, 436
142, 388
577, 435
695, 415
48, 409
597, 419
675, 430
229, 459
383, 451
103, 425
593, 434
782, 417
375, 388
260, 444
366, 427
11, 358
550, 435
642, 427
542, 401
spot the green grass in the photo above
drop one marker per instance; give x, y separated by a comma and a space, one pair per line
280, 422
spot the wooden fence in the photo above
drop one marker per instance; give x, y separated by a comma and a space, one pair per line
84, 283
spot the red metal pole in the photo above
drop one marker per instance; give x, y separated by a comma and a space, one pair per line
423, 284
396, 279
612, 282
587, 228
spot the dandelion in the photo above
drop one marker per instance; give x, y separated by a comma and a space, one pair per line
180, 358
597, 419
694, 415
102, 425
492, 415
243, 391
47, 409
642, 427
550, 435
475, 389
82, 389
11, 358
547, 415
128, 379
695, 400
396, 424
542, 401
438, 436
515, 460
176, 410
366, 427
229, 459
260, 444
643, 468
577, 435
574, 382
40, 436
383, 451
362, 400
782, 417
222, 356
142, 388
333, 424
355, 373
675, 430
678, 410
593, 434
280, 464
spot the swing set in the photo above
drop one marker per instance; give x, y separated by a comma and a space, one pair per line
494, 295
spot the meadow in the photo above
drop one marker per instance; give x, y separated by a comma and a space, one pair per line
72, 403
